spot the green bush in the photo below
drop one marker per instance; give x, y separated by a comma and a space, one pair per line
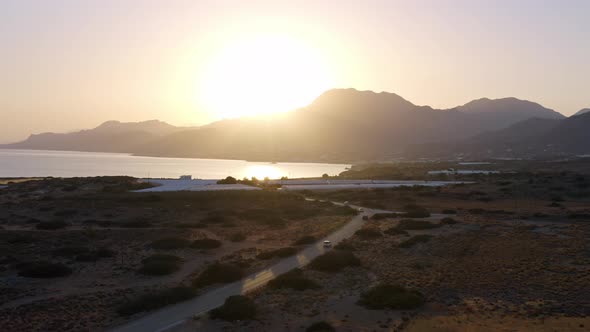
293, 279
320, 327
334, 261
170, 243
368, 233
414, 240
206, 244
52, 225
237, 307
44, 270
157, 300
307, 239
391, 297
159, 265
218, 273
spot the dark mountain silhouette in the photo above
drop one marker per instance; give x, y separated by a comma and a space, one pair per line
111, 136
340, 125
531, 138
501, 113
582, 111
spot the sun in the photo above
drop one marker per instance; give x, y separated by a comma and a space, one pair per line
263, 75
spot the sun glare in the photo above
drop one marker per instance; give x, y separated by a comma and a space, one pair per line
264, 171
263, 75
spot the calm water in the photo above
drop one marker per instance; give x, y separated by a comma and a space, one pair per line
17, 163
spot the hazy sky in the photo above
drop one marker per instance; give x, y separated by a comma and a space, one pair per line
67, 65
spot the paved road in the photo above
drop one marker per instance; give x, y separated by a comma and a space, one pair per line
174, 315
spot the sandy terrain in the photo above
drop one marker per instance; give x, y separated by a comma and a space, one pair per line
99, 213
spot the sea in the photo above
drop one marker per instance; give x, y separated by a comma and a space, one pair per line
37, 163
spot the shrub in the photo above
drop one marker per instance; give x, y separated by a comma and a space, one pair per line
237, 237
136, 224
281, 252
161, 258
65, 213
218, 273
368, 233
44, 270
320, 327
448, 221
70, 251
334, 261
87, 257
415, 211
293, 279
395, 231
228, 180
409, 224
206, 244
159, 265
307, 239
170, 243
476, 211
190, 225
414, 240
381, 216
449, 211
392, 297
344, 211
236, 307
214, 219
105, 252
578, 215
52, 225
345, 245
157, 300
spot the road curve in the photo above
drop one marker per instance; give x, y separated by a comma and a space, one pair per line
174, 315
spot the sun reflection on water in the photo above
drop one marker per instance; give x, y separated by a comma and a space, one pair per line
264, 171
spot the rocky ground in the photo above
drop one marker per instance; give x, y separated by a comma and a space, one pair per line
500, 267
100, 214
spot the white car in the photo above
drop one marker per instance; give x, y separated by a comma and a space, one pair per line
361, 210
327, 244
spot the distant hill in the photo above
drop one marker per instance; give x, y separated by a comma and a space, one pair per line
582, 111
501, 113
533, 138
341, 125
111, 136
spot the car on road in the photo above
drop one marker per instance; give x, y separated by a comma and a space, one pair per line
361, 210
327, 244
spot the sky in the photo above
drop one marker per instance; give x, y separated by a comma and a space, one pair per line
67, 64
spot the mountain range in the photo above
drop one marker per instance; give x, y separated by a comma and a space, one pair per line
346, 125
